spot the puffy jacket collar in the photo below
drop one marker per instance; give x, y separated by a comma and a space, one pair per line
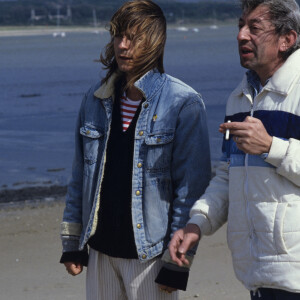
283, 79
148, 84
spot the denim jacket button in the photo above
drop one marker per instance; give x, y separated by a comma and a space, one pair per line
139, 165
158, 140
141, 133
139, 226
137, 193
146, 105
144, 256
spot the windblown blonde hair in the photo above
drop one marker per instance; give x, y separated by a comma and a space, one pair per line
148, 22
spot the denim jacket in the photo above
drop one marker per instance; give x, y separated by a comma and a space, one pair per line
171, 162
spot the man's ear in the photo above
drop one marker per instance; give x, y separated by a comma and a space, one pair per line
288, 40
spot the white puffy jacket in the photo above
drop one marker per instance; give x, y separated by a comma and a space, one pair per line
259, 196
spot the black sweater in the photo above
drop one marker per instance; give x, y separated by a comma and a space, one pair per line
114, 233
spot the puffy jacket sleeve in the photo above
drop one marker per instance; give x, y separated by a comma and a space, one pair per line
285, 156
211, 210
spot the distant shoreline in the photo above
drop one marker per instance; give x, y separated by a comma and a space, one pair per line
9, 31
40, 30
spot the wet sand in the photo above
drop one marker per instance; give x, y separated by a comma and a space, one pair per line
30, 250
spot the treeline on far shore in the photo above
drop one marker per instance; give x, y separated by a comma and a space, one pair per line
97, 12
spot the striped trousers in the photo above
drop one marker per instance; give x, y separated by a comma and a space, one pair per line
110, 278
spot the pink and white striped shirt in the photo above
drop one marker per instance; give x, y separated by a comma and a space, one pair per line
128, 109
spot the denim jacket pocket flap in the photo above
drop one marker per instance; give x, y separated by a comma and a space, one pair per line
90, 132
159, 138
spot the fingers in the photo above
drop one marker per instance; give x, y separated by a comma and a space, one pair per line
174, 246
186, 244
73, 268
233, 126
183, 259
238, 139
250, 119
182, 241
238, 125
191, 237
241, 129
167, 289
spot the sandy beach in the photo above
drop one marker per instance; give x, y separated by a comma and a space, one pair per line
30, 250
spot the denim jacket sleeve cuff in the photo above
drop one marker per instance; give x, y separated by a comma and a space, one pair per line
70, 228
70, 235
70, 243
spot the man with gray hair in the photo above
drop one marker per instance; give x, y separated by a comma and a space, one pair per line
256, 187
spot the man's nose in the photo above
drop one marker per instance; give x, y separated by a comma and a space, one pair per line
243, 33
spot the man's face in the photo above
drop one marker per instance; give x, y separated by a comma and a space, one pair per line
258, 43
125, 51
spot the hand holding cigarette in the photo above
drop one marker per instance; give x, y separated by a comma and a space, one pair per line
250, 135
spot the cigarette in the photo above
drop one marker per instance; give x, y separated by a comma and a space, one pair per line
227, 133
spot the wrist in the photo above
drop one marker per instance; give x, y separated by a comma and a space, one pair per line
269, 144
193, 228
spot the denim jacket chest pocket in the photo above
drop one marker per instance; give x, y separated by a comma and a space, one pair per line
92, 143
159, 151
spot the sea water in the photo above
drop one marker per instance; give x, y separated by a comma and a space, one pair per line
43, 79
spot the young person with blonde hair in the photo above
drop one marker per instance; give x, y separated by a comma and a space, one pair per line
141, 160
